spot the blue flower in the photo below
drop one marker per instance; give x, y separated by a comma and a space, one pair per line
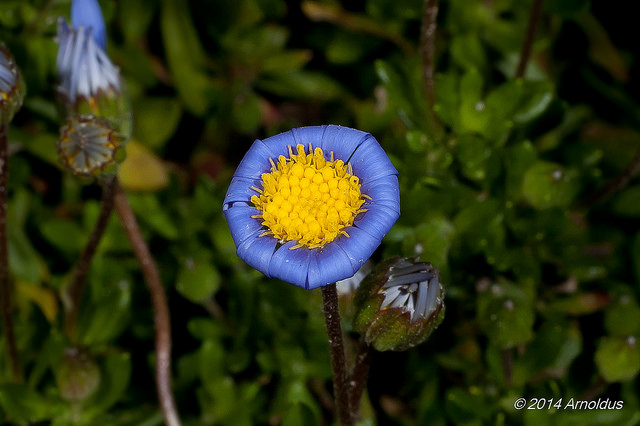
311, 205
83, 66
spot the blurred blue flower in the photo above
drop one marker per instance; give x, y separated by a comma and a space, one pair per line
83, 66
310, 206
11, 86
87, 14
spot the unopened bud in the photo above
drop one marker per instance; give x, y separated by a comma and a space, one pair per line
89, 146
399, 304
89, 82
11, 86
78, 376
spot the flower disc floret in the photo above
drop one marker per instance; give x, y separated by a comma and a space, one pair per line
308, 199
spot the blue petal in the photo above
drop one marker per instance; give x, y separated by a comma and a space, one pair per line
331, 264
370, 162
291, 266
279, 144
241, 224
359, 246
87, 13
240, 190
376, 221
255, 162
309, 135
343, 141
258, 251
383, 191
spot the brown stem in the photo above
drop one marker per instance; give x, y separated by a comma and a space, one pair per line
84, 263
359, 376
5, 290
507, 366
525, 51
159, 302
427, 52
632, 170
336, 347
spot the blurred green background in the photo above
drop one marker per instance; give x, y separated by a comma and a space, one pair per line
541, 282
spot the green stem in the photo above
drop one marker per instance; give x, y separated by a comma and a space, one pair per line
336, 348
159, 302
5, 290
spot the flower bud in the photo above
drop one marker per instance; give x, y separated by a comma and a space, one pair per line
78, 376
11, 86
89, 146
89, 82
399, 304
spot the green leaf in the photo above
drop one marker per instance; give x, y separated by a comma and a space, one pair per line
197, 280
156, 120
22, 404
627, 203
186, 57
115, 376
548, 185
64, 234
468, 52
134, 17
618, 358
506, 314
147, 208
622, 318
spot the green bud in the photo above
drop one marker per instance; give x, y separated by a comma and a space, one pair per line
78, 376
89, 146
399, 304
12, 86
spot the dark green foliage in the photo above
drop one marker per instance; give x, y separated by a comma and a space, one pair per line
541, 280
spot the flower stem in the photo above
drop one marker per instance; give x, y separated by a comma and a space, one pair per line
525, 52
359, 375
336, 347
5, 291
427, 52
84, 263
159, 302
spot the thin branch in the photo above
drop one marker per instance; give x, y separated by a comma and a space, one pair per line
84, 263
159, 302
5, 290
527, 44
427, 53
427, 49
632, 170
336, 347
358, 379
507, 366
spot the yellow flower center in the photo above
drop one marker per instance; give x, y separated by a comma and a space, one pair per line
308, 199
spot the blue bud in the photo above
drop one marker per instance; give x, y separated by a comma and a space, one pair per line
87, 13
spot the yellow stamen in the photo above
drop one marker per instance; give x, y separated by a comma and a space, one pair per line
308, 199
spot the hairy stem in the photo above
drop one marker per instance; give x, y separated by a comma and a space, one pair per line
159, 302
525, 51
5, 290
427, 53
358, 379
336, 348
84, 263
